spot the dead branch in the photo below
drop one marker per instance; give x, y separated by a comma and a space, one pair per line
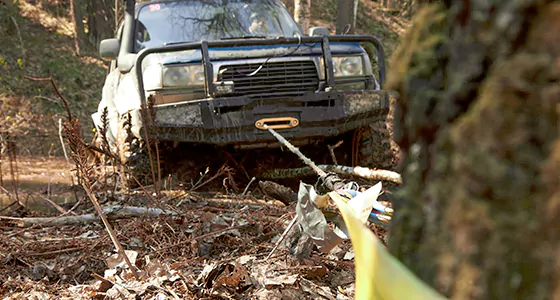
279, 192
111, 212
55, 205
331, 151
220, 172
55, 252
55, 90
248, 185
362, 172
283, 236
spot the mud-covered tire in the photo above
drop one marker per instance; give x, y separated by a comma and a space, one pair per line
374, 146
133, 156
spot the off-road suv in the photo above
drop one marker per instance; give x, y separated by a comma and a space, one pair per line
216, 71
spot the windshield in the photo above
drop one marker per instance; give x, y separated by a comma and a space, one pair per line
184, 21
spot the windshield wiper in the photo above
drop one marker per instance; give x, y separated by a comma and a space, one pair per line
245, 37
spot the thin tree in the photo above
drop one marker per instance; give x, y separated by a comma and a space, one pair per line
79, 33
346, 16
302, 13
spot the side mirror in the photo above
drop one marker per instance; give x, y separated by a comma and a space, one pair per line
109, 48
318, 31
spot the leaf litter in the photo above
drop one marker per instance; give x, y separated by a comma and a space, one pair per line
213, 246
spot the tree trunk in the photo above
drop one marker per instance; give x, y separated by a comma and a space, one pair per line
477, 121
346, 15
79, 33
302, 13
101, 20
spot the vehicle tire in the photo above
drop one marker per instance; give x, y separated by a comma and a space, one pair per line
374, 146
133, 156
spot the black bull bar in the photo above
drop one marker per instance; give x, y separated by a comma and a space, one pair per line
205, 45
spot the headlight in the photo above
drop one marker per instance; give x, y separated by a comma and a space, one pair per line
345, 66
350, 66
183, 76
157, 77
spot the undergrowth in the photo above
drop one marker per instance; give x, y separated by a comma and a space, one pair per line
31, 109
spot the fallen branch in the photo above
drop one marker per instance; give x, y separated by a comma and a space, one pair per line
55, 252
365, 173
279, 192
55, 205
111, 212
283, 236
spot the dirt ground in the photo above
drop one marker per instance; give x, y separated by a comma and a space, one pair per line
193, 245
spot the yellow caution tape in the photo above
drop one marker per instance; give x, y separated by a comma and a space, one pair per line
379, 275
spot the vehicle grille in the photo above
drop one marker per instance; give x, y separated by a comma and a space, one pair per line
274, 80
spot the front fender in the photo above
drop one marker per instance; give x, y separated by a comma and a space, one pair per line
119, 96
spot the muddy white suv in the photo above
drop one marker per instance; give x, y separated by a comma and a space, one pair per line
215, 72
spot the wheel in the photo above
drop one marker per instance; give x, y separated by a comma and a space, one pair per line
374, 149
133, 156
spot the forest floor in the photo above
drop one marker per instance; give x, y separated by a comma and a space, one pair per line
209, 244
191, 245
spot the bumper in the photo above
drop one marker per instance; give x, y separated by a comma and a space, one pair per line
235, 120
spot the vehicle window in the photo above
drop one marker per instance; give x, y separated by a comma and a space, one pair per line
184, 21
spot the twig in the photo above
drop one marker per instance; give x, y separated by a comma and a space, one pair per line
238, 165
8, 206
16, 200
65, 153
221, 171
299, 268
62, 140
331, 151
53, 252
58, 207
200, 179
247, 187
19, 35
55, 90
110, 230
283, 236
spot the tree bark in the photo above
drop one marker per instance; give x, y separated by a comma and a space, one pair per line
79, 33
345, 16
101, 20
302, 13
477, 121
